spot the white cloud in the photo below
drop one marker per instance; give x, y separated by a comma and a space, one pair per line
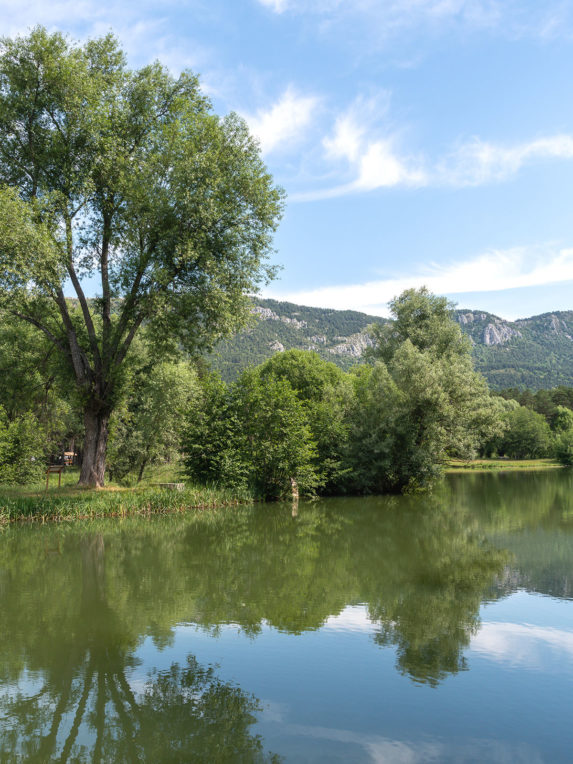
495, 270
479, 162
352, 618
394, 13
278, 6
361, 149
285, 121
380, 21
372, 159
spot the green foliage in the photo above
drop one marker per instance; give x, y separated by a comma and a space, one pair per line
253, 434
211, 453
422, 404
32, 381
22, 444
563, 447
562, 419
274, 438
527, 436
388, 427
425, 320
147, 427
127, 176
327, 395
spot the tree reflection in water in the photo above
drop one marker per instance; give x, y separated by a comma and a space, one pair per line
77, 602
83, 706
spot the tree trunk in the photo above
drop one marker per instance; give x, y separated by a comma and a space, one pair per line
95, 446
141, 468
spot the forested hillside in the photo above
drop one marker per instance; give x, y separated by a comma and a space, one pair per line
534, 353
336, 335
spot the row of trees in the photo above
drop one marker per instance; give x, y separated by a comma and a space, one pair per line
299, 422
530, 434
296, 422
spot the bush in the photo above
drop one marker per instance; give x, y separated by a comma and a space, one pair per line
21, 449
563, 449
527, 436
254, 435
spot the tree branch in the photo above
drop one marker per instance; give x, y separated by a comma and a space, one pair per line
41, 327
129, 303
106, 293
79, 360
122, 351
82, 298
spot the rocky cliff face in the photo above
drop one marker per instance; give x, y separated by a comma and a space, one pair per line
485, 329
266, 314
469, 318
499, 333
353, 346
532, 352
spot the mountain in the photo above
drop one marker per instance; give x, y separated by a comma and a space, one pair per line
532, 353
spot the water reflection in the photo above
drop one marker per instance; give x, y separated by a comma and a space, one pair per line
78, 602
77, 703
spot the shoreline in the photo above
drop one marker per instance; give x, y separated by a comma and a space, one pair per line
455, 466
70, 503
61, 505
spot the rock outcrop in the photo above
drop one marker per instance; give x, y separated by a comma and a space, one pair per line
499, 333
469, 318
266, 314
354, 346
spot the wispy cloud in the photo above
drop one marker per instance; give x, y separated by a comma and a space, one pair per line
382, 21
479, 162
363, 152
495, 270
395, 12
367, 155
285, 121
278, 6
143, 28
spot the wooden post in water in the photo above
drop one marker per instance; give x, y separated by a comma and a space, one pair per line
294, 488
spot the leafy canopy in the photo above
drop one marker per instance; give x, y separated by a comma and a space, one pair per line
128, 176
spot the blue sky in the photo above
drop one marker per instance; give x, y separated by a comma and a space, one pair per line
419, 141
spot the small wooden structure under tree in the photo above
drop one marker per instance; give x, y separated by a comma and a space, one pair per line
55, 469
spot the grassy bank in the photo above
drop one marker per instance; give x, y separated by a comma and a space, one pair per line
501, 465
69, 502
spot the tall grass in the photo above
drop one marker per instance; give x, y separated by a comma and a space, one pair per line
34, 503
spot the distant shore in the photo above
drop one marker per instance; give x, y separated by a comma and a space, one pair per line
501, 465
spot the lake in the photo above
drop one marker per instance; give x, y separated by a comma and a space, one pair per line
387, 629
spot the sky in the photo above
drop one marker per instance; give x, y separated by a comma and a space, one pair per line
418, 141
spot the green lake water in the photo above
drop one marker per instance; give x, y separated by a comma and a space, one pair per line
389, 629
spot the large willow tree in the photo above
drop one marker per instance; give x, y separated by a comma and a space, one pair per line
126, 179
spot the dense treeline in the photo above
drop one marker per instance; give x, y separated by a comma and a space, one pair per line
298, 422
538, 424
293, 424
